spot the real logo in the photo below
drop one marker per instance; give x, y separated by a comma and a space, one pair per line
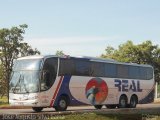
125, 85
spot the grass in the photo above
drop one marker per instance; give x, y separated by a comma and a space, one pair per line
158, 88
94, 116
3, 101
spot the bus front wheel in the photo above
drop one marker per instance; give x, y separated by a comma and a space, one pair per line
62, 104
37, 109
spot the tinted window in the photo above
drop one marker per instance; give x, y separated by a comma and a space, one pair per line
146, 73
67, 67
133, 72
143, 73
122, 71
82, 67
49, 73
110, 70
149, 73
97, 69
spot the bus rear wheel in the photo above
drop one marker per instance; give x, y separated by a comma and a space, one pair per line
133, 101
122, 102
37, 109
62, 104
98, 106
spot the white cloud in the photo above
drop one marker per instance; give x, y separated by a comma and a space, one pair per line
90, 45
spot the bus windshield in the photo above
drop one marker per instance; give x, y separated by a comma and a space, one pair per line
24, 82
27, 64
25, 76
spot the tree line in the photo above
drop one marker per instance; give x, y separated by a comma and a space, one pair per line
12, 46
144, 53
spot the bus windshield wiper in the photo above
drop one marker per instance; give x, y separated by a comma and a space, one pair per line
25, 88
17, 84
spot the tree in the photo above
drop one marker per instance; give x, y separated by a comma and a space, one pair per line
12, 46
144, 53
59, 53
3, 83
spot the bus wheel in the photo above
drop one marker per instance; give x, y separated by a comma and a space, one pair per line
62, 104
122, 102
98, 106
133, 101
37, 109
111, 106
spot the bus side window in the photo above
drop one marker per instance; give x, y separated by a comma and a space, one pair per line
97, 69
134, 72
122, 71
149, 73
82, 68
49, 73
67, 67
142, 73
110, 70
47, 78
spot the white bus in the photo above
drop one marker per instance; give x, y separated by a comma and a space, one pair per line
59, 82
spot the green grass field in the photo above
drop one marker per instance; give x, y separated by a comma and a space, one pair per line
94, 116
3, 101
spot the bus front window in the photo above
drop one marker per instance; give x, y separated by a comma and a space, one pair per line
24, 82
25, 76
29, 77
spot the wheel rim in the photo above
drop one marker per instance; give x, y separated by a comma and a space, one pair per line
133, 102
123, 102
62, 104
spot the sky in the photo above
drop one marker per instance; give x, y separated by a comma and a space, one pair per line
82, 27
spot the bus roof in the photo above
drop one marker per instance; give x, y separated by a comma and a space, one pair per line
36, 57
96, 59
106, 60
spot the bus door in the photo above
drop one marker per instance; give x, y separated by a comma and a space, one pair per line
44, 85
48, 77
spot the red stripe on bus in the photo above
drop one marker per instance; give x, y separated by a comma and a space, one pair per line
56, 92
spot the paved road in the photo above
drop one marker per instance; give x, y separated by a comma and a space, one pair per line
51, 114
141, 109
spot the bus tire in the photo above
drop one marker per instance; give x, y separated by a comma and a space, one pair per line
123, 101
133, 101
62, 104
111, 106
98, 106
37, 109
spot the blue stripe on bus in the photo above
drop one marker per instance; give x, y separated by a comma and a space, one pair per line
149, 98
64, 90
